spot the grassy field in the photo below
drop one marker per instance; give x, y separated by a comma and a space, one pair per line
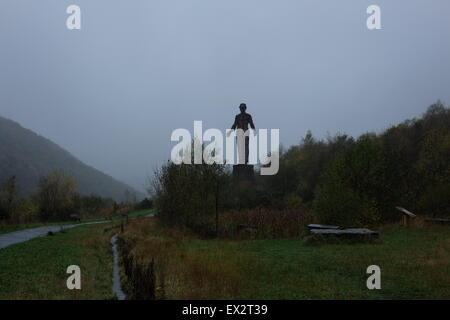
415, 264
36, 269
140, 213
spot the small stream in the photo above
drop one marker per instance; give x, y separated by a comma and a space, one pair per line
116, 288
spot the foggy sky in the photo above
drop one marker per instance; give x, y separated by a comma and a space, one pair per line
112, 92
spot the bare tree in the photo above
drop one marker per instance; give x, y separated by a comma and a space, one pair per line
56, 196
8, 198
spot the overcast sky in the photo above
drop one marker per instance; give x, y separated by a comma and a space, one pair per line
112, 92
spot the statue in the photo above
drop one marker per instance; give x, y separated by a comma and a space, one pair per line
243, 171
243, 121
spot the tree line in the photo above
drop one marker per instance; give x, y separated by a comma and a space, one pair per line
340, 180
57, 199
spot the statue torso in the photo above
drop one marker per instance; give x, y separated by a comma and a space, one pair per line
243, 120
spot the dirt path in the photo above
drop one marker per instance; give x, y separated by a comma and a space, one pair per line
11, 238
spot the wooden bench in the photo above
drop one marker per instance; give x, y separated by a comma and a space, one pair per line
321, 226
408, 217
247, 228
75, 217
352, 233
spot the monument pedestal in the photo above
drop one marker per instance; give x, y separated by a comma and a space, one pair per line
243, 172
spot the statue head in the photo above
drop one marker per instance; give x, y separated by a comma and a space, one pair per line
243, 107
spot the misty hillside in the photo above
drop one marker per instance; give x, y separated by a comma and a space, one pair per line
29, 156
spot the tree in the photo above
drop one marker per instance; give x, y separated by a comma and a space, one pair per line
355, 189
190, 195
55, 197
8, 198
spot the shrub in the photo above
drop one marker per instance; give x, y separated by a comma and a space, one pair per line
269, 223
189, 195
355, 189
55, 197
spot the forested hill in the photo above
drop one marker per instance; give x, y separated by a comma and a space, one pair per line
29, 156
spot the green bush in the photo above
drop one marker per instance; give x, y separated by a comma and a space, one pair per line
435, 201
355, 189
189, 195
56, 196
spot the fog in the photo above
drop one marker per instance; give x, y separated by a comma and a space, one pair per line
112, 92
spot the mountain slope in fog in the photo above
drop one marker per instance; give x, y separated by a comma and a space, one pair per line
29, 157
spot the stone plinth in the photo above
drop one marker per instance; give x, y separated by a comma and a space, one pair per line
243, 172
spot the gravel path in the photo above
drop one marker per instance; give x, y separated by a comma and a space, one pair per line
11, 238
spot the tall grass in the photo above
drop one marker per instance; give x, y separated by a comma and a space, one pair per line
267, 223
414, 262
180, 271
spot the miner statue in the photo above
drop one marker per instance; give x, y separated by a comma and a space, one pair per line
243, 171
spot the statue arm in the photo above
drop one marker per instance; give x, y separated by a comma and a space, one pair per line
233, 127
250, 120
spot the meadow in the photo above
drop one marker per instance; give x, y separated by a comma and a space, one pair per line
36, 269
414, 262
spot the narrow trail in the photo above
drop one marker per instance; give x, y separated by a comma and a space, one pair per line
11, 238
